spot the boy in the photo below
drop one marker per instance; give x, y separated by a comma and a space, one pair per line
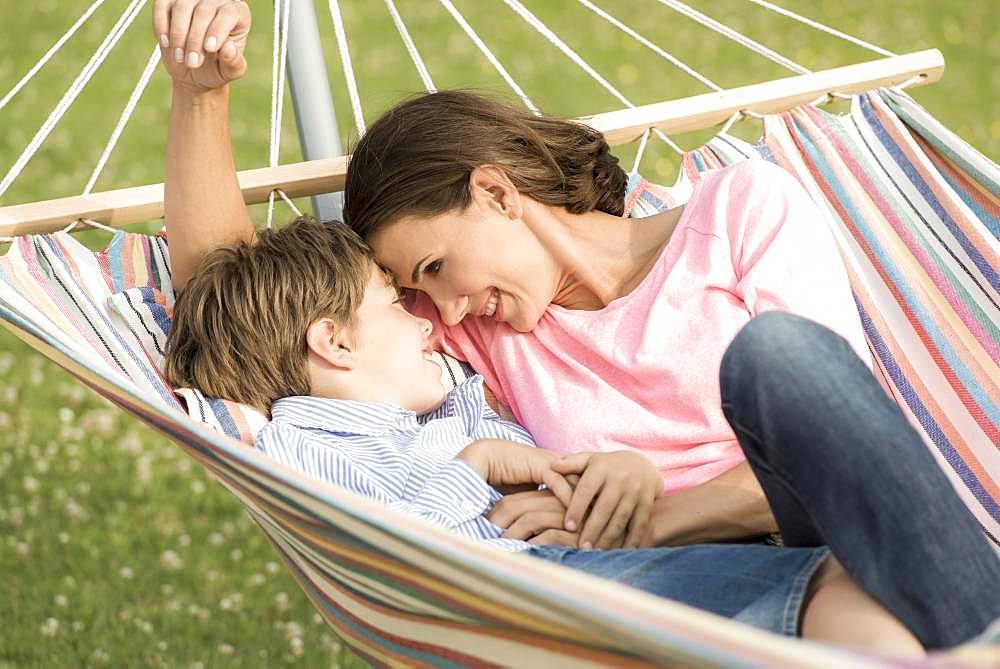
303, 324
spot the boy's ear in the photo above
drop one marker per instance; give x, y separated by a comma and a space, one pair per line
331, 343
492, 188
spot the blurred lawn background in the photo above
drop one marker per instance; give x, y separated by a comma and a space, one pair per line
116, 549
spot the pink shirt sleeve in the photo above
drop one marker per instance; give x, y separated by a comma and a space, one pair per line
784, 255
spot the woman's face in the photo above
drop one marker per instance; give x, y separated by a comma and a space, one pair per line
483, 262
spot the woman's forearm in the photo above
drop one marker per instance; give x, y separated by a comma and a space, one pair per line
727, 508
203, 204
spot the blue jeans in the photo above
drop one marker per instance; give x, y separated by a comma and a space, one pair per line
756, 584
841, 466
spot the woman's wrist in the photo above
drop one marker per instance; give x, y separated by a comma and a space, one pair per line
193, 96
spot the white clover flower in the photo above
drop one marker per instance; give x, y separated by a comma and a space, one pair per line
78, 626
171, 560
61, 600
161, 646
281, 601
184, 540
216, 539
296, 646
166, 589
31, 484
83, 488
100, 656
197, 486
22, 548
126, 573
292, 630
144, 469
41, 465
272, 567
63, 537
258, 579
317, 619
50, 627
236, 555
212, 575
73, 510
226, 649
65, 414
131, 443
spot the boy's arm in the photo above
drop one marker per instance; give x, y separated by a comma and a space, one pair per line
452, 496
203, 203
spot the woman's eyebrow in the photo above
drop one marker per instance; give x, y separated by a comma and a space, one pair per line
416, 269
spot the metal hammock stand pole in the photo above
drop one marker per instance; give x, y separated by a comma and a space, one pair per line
312, 99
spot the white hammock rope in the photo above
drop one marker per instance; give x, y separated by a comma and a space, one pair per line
51, 52
554, 39
640, 151
126, 115
821, 26
738, 37
279, 57
649, 45
345, 60
485, 50
124, 21
411, 48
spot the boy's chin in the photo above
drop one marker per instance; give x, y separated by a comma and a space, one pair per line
433, 400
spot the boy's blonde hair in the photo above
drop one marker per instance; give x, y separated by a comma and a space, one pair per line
239, 327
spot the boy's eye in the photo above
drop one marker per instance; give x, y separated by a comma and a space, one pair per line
433, 268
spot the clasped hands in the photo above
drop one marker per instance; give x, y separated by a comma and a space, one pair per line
591, 500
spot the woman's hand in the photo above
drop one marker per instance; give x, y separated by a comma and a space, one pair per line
504, 462
622, 487
202, 41
534, 516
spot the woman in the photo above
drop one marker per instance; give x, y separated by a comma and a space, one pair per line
511, 227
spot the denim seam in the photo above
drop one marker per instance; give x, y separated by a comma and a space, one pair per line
792, 616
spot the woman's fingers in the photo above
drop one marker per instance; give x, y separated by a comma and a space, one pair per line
559, 486
180, 20
589, 485
614, 531
639, 522
572, 464
201, 18
226, 22
533, 523
161, 22
604, 508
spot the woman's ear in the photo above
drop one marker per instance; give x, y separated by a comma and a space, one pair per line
332, 344
490, 187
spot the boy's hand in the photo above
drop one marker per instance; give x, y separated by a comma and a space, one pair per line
202, 41
534, 516
504, 462
624, 483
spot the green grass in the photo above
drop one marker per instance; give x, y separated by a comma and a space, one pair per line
115, 548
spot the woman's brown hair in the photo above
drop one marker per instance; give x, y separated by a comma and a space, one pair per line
417, 158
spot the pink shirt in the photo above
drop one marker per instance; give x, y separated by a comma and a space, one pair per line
642, 373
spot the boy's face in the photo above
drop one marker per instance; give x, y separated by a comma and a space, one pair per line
394, 349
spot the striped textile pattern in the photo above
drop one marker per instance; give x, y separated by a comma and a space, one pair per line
405, 593
916, 212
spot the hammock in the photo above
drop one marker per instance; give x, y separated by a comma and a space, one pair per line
916, 213
913, 221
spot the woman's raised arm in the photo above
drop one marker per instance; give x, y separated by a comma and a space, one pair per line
202, 43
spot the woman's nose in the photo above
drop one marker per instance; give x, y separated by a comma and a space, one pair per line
453, 310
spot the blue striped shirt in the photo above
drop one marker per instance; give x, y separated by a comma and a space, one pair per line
394, 456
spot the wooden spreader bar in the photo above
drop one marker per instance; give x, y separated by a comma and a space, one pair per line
124, 206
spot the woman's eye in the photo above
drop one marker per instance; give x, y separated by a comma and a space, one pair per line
433, 268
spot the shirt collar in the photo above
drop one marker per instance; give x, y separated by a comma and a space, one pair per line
467, 401
346, 416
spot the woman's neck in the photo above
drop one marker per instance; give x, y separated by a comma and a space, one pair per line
603, 257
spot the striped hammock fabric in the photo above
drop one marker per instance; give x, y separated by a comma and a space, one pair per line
913, 209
